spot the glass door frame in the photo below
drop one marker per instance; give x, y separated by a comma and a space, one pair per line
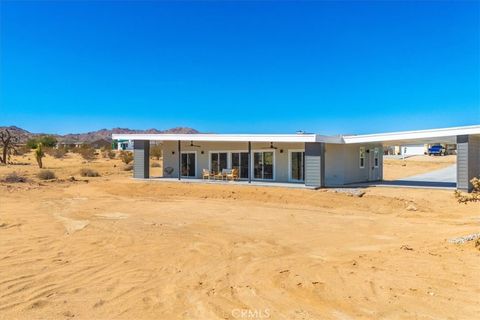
229, 160
196, 161
252, 169
290, 151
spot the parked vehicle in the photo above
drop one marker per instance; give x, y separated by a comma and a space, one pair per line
436, 150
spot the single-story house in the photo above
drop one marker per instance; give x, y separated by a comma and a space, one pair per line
310, 159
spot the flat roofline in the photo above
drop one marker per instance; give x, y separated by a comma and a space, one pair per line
441, 135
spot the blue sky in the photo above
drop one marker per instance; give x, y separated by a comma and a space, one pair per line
324, 67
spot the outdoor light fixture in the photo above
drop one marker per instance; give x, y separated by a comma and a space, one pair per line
173, 152
281, 150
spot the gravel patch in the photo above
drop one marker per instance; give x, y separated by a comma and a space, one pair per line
460, 240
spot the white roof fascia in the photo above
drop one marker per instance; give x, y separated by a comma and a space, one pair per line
444, 134
220, 137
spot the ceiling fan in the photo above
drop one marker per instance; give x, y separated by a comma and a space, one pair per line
194, 145
271, 146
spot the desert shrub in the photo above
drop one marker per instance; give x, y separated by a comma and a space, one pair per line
126, 156
46, 141
39, 154
108, 153
85, 172
46, 175
156, 165
14, 178
128, 167
469, 197
59, 153
87, 153
20, 151
156, 151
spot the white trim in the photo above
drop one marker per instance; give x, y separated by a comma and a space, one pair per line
362, 166
376, 157
196, 163
223, 137
405, 137
290, 151
252, 169
446, 135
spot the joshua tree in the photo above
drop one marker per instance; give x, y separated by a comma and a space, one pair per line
39, 154
8, 144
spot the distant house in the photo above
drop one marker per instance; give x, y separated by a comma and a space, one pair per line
69, 144
122, 145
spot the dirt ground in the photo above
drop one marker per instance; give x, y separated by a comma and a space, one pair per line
115, 248
398, 169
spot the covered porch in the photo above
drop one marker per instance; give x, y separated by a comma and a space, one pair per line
262, 160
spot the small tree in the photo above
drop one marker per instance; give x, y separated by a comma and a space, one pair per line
156, 151
8, 143
126, 157
48, 141
39, 154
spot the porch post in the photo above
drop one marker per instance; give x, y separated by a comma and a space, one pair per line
179, 161
468, 161
141, 159
249, 162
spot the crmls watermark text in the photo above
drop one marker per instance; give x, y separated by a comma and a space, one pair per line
251, 313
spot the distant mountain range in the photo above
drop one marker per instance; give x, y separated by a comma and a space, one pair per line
102, 134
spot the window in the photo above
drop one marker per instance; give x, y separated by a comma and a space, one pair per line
218, 161
362, 157
263, 165
376, 157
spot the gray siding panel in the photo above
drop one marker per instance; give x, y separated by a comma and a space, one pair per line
468, 161
314, 164
141, 159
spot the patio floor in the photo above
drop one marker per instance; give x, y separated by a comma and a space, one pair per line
238, 182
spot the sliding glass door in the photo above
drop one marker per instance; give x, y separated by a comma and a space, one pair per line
188, 164
263, 165
297, 166
218, 161
240, 162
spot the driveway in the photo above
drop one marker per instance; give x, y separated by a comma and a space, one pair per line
442, 178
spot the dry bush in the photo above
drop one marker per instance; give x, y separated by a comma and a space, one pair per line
156, 165
85, 172
126, 156
469, 197
156, 151
22, 150
14, 178
56, 153
128, 167
87, 153
46, 175
109, 154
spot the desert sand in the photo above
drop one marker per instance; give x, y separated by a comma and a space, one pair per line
115, 248
398, 168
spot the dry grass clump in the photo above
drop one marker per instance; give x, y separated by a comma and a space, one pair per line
128, 167
87, 153
85, 172
56, 153
156, 165
46, 175
126, 156
469, 197
14, 178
